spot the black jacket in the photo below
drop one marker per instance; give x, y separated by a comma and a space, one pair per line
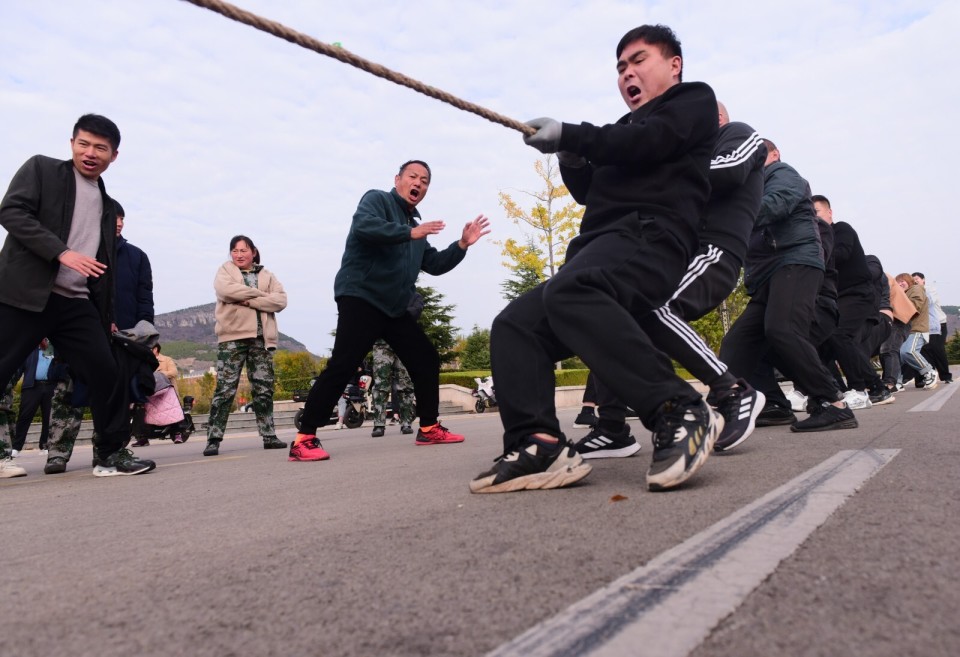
37, 211
828, 288
785, 232
881, 289
853, 276
134, 300
652, 163
736, 188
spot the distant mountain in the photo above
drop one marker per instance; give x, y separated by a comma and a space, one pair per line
196, 324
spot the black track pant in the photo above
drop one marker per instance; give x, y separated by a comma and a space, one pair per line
591, 308
359, 325
73, 325
36, 396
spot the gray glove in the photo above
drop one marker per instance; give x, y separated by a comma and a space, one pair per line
572, 160
547, 137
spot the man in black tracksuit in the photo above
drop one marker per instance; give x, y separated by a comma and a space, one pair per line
736, 186
644, 182
858, 306
783, 274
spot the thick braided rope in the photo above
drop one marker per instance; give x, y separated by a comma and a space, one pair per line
347, 57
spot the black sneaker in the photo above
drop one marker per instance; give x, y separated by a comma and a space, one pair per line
739, 407
600, 445
527, 468
682, 441
212, 448
55, 465
122, 462
775, 416
406, 428
585, 420
377, 432
827, 417
273, 443
881, 395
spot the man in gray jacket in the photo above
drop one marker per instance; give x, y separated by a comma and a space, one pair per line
57, 266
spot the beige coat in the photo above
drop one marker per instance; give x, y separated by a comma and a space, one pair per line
168, 368
237, 305
903, 308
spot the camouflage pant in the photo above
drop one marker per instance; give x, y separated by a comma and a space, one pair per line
387, 368
6, 420
65, 419
231, 357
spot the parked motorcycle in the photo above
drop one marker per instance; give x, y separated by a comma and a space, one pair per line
143, 431
358, 404
486, 397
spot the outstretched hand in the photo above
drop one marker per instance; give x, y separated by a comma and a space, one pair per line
426, 228
473, 231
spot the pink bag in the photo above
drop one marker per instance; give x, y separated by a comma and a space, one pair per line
163, 408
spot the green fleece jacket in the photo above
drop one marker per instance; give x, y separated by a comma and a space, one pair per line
380, 262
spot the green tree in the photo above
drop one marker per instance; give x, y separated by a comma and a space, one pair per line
715, 324
293, 371
953, 347
527, 273
475, 351
547, 227
437, 322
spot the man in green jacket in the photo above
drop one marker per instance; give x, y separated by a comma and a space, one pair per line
386, 250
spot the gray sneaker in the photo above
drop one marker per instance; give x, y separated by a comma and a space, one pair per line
9, 469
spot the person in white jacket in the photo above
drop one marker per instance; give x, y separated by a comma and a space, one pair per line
248, 298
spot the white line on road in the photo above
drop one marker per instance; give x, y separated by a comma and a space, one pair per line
668, 607
936, 401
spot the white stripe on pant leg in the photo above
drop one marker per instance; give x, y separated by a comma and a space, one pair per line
697, 267
690, 337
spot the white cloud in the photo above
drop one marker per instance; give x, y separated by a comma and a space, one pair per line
229, 130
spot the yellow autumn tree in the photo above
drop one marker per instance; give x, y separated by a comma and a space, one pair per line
547, 228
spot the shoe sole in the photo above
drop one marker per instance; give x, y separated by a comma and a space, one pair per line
55, 470
751, 425
583, 426
566, 476
620, 453
12, 475
774, 423
322, 458
437, 442
101, 471
716, 427
845, 424
883, 402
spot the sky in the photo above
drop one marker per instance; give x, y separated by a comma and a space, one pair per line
228, 130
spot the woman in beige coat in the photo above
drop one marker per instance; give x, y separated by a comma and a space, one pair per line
248, 298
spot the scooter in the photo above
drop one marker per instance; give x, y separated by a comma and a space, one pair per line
486, 397
358, 403
178, 431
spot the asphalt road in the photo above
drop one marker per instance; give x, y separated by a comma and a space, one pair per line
383, 551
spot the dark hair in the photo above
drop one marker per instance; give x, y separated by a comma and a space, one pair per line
655, 35
919, 275
158, 347
253, 247
420, 162
100, 126
820, 198
770, 145
120, 212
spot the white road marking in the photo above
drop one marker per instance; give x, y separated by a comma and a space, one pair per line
668, 607
936, 400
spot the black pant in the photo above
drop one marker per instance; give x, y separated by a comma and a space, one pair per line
39, 395
778, 317
590, 308
359, 325
935, 351
74, 326
846, 344
710, 278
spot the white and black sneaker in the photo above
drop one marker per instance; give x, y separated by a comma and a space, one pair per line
930, 380
121, 463
601, 445
739, 408
682, 441
531, 468
586, 419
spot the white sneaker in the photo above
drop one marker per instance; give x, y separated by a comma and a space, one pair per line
339, 426
857, 400
931, 380
14, 453
798, 401
9, 469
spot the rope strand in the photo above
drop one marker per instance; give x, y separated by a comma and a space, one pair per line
283, 32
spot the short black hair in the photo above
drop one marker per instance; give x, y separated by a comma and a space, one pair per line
253, 247
770, 145
100, 126
120, 212
656, 35
919, 275
420, 162
820, 198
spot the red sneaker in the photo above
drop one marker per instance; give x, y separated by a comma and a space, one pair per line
307, 448
437, 435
